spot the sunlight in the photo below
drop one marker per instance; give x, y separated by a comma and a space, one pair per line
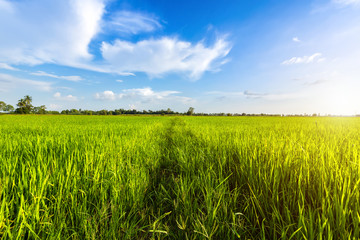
340, 99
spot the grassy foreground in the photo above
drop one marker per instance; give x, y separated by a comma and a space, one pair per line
111, 177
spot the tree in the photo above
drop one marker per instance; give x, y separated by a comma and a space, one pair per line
40, 110
28, 100
8, 108
74, 111
21, 106
2, 105
190, 111
24, 105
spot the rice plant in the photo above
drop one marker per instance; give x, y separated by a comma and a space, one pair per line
113, 177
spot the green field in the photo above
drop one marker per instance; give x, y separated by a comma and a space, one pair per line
146, 177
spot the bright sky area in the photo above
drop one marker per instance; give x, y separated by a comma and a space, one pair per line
270, 56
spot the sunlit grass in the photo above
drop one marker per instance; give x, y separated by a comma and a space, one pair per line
105, 177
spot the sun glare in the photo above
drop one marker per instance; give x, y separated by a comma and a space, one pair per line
340, 100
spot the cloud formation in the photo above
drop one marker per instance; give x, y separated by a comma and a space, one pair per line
107, 95
133, 22
165, 55
252, 95
68, 78
140, 94
347, 2
8, 82
296, 39
305, 59
54, 107
7, 67
69, 97
5, 6
60, 32
41, 31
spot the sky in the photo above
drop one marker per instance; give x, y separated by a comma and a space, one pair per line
231, 56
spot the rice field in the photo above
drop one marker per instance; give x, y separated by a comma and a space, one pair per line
160, 177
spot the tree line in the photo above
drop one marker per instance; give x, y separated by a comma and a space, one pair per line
24, 106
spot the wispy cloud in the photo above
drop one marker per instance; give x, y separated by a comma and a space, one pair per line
296, 39
54, 107
119, 81
8, 82
253, 95
7, 67
60, 31
165, 55
225, 93
316, 57
57, 31
6, 6
347, 2
133, 22
250, 94
146, 92
107, 95
140, 94
65, 88
316, 82
68, 78
58, 96
310, 81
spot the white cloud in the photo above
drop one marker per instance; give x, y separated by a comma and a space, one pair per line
250, 94
42, 31
106, 95
253, 95
165, 55
296, 39
5, 6
54, 107
146, 92
316, 82
8, 82
65, 88
306, 59
7, 67
69, 97
225, 93
60, 31
347, 2
133, 22
141, 94
119, 81
69, 78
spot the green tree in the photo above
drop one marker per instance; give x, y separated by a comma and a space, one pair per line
8, 108
24, 105
2, 105
74, 111
28, 100
40, 110
190, 111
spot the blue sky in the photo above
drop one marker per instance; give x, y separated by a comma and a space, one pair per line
217, 56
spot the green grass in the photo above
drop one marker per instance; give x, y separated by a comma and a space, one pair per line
139, 177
